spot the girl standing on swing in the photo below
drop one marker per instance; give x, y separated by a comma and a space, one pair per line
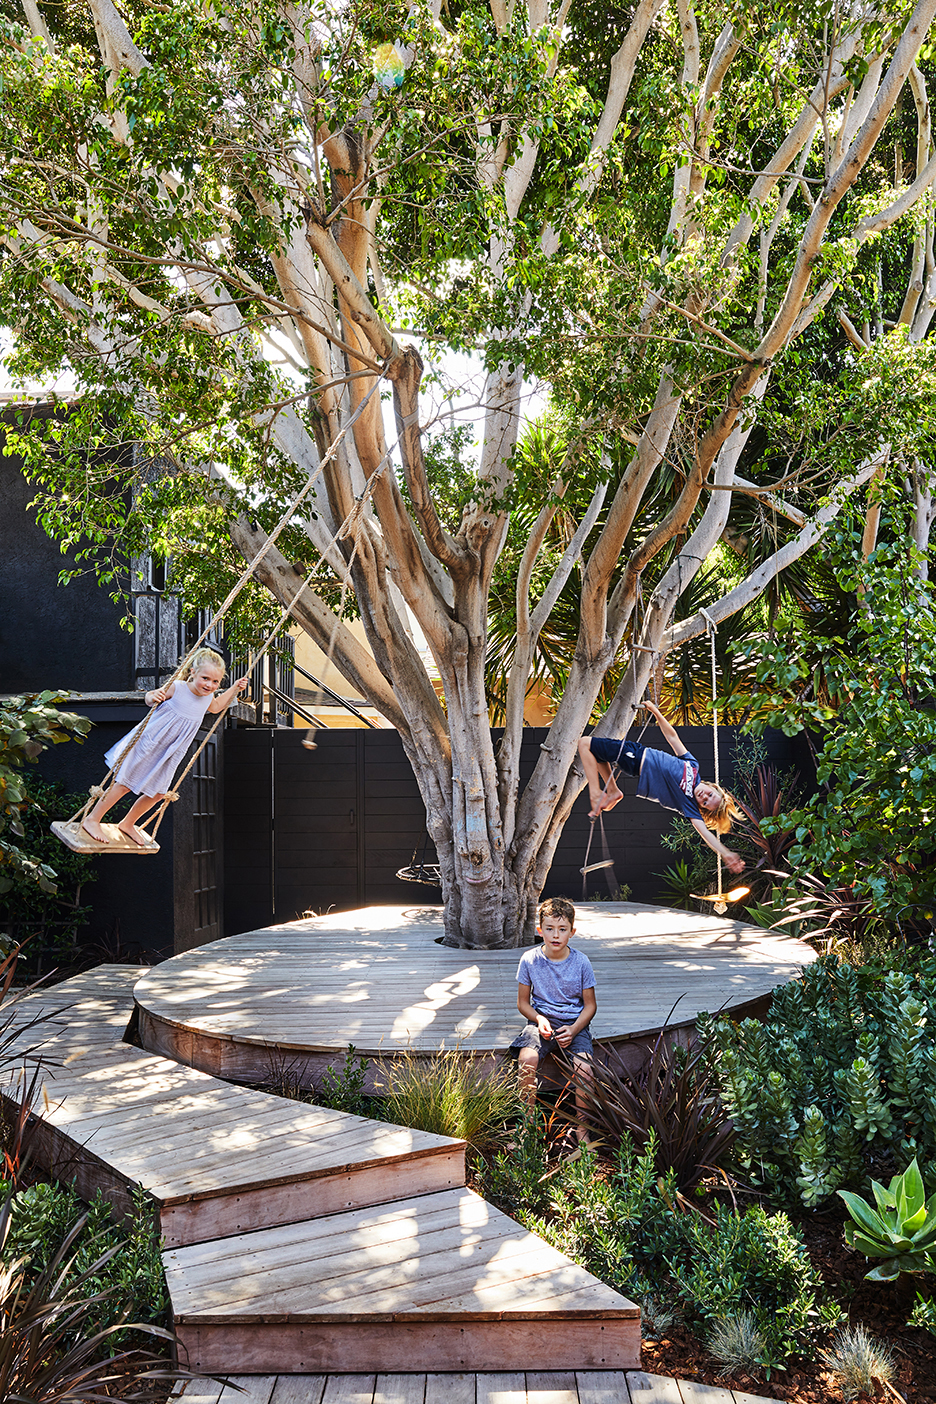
148, 766
670, 780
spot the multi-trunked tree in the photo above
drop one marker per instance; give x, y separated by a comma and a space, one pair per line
217, 215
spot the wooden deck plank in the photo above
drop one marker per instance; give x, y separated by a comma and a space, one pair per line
501, 1388
652, 1389
316, 1240
551, 1387
601, 1386
400, 1389
693, 1393
249, 1389
358, 1272
298, 1389
198, 1391
456, 1388
349, 1389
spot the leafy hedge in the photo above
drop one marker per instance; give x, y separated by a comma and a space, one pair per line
837, 1085
635, 1232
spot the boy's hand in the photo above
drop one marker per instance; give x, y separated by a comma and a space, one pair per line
564, 1036
544, 1026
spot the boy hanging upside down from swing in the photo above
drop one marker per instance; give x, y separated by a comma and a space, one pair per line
672, 781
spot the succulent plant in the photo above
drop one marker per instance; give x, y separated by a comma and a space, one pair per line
903, 1230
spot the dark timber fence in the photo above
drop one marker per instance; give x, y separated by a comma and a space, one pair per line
328, 829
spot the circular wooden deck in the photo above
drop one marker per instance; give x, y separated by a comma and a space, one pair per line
293, 996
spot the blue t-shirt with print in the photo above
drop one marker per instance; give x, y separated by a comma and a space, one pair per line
556, 985
670, 780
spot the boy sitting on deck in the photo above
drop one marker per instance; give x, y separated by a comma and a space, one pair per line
556, 993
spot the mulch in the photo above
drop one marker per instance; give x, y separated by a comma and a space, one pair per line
882, 1308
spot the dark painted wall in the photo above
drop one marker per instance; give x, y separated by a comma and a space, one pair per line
313, 830
51, 636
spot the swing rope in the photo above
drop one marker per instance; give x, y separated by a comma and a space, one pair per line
97, 791
352, 522
607, 862
721, 906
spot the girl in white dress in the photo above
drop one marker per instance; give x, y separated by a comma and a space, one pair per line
150, 764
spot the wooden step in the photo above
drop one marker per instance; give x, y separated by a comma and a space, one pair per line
439, 1281
216, 1159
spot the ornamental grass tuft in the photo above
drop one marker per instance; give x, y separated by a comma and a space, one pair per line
858, 1361
451, 1094
736, 1342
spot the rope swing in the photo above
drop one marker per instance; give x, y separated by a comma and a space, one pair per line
70, 831
719, 899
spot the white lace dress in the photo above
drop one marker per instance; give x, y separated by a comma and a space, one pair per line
149, 768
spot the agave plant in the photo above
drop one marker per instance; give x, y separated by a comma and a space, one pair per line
903, 1230
674, 1097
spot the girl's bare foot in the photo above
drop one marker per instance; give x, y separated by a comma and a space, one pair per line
604, 799
139, 837
92, 828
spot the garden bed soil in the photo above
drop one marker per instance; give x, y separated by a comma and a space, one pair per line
882, 1308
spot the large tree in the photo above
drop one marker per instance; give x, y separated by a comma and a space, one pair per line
220, 214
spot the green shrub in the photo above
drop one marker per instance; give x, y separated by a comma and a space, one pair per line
630, 1229
132, 1279
53, 1349
756, 1263
28, 724
342, 1088
47, 919
515, 1178
836, 1084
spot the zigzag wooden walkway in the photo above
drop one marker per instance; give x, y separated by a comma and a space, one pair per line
301, 1240
541, 1387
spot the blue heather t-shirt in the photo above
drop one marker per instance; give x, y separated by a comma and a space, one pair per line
670, 780
556, 985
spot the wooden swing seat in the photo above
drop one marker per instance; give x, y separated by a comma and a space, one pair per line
74, 837
734, 895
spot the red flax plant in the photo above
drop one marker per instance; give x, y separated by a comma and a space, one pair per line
48, 1352
765, 796
673, 1097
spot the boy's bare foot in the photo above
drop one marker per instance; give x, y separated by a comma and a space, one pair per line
92, 828
604, 799
139, 837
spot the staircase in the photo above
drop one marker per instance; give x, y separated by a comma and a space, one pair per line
300, 1239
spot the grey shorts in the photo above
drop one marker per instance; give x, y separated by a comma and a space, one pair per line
580, 1047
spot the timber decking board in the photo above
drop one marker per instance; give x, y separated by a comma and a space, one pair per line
652, 1389
189, 1137
437, 1256
377, 978
492, 1387
400, 1389
551, 1387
